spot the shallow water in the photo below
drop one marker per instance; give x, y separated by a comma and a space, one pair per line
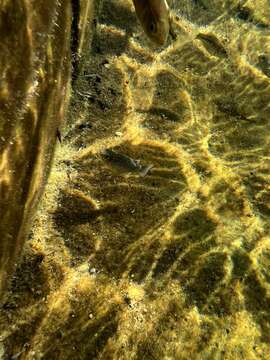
173, 264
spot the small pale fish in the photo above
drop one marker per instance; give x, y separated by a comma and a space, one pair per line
154, 17
126, 163
121, 160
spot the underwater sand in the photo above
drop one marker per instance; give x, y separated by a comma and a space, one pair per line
174, 264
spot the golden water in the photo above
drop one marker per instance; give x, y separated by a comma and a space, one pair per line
175, 264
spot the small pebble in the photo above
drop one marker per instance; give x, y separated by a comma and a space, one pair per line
92, 271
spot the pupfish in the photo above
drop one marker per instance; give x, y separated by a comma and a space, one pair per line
126, 163
154, 17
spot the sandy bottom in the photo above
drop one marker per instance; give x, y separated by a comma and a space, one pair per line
172, 262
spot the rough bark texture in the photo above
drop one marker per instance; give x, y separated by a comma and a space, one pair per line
34, 89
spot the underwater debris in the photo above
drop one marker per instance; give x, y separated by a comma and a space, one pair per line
164, 113
264, 64
145, 170
126, 162
58, 135
87, 94
94, 76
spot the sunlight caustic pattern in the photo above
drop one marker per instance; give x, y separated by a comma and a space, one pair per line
175, 262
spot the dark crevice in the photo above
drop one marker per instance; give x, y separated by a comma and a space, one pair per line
75, 4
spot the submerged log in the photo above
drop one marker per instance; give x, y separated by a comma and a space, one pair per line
35, 67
